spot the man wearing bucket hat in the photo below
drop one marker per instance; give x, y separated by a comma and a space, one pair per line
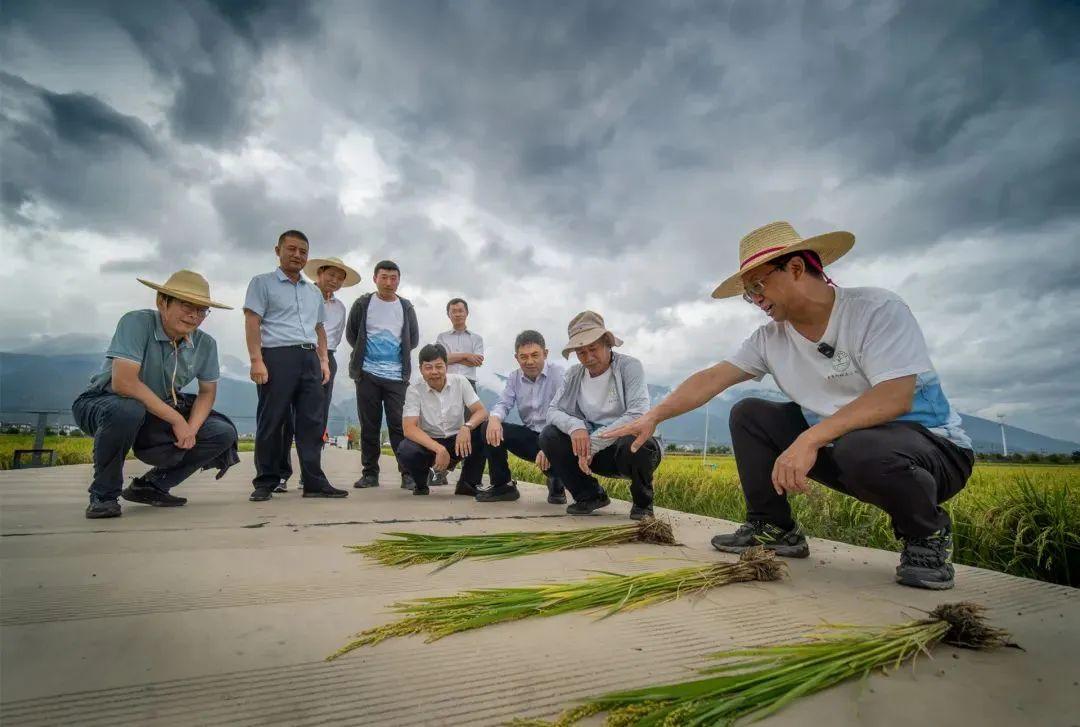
602, 392
283, 323
868, 415
134, 402
330, 275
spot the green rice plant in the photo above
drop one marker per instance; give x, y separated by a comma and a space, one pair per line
407, 549
441, 616
1022, 520
755, 682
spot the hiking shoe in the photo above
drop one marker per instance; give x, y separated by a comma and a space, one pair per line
464, 488
325, 491
435, 478
407, 481
584, 507
98, 509
150, 495
281, 487
640, 513
366, 481
927, 562
788, 543
501, 493
260, 494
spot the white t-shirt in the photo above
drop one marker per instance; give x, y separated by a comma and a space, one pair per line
461, 342
876, 338
382, 356
599, 401
442, 413
334, 325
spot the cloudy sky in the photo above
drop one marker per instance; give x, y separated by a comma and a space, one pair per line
538, 158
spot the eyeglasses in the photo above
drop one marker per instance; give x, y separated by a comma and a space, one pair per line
757, 287
194, 309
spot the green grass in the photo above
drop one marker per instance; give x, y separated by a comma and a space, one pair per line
69, 450
1019, 520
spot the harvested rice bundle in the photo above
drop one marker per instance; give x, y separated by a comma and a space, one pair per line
441, 616
412, 548
756, 682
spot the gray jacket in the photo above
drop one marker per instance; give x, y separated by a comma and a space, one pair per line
628, 378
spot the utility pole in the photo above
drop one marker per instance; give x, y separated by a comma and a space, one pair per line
1004, 446
705, 449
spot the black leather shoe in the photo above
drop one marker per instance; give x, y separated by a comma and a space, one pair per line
102, 509
325, 491
150, 495
366, 481
640, 513
407, 481
502, 493
585, 507
464, 488
556, 491
260, 494
421, 490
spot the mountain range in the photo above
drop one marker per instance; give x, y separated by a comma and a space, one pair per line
41, 377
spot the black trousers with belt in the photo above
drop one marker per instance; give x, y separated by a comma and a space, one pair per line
285, 472
901, 467
294, 389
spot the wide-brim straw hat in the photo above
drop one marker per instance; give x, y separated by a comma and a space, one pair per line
776, 239
585, 328
312, 269
186, 285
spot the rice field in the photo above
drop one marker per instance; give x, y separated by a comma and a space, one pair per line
1021, 520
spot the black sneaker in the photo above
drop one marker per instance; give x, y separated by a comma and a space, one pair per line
98, 509
407, 481
436, 478
260, 494
927, 562
502, 493
640, 513
584, 507
150, 495
366, 481
788, 543
421, 490
281, 487
325, 491
464, 488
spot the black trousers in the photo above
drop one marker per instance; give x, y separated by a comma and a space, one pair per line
120, 424
294, 390
285, 471
417, 459
615, 460
521, 442
373, 396
900, 467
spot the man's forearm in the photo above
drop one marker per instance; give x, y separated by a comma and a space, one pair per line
253, 336
477, 418
698, 389
142, 393
456, 358
200, 410
320, 335
882, 403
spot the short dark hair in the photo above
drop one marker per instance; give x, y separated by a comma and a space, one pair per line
432, 351
387, 265
457, 300
526, 337
811, 260
296, 234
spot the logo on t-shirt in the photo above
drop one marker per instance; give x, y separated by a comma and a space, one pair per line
841, 361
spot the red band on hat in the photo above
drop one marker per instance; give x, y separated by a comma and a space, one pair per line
756, 255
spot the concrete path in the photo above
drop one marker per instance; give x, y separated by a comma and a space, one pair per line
221, 612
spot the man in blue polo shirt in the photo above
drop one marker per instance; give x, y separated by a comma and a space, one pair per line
283, 320
134, 402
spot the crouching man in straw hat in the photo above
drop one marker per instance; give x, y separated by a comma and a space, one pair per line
599, 394
330, 275
135, 400
868, 416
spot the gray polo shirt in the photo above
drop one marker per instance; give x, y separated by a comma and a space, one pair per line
166, 366
461, 342
289, 311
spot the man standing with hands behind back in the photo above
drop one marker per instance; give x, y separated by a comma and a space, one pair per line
283, 321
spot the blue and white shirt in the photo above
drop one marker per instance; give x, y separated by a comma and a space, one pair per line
385, 321
876, 338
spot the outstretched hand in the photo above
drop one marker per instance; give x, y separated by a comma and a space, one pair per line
640, 429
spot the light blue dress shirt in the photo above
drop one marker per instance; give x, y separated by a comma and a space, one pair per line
289, 311
532, 398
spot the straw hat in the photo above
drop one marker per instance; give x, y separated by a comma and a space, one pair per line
776, 239
585, 328
186, 285
312, 269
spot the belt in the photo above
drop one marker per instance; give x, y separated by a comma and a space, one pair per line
305, 346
